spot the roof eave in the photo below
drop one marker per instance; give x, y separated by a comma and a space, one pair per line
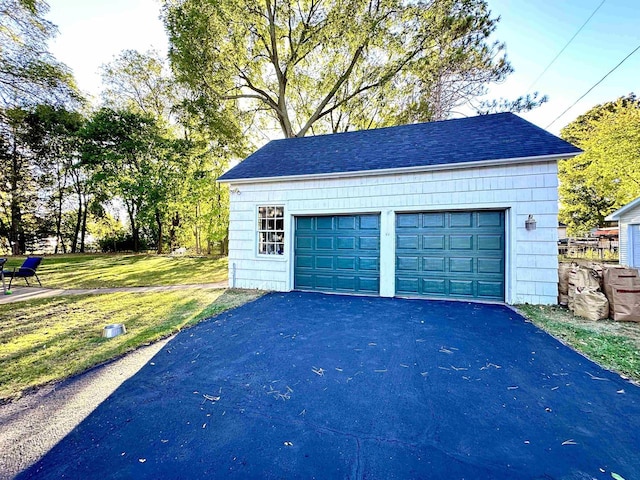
615, 216
417, 169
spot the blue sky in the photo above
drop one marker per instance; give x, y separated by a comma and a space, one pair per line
92, 32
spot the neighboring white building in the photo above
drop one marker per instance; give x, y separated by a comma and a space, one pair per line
628, 218
461, 209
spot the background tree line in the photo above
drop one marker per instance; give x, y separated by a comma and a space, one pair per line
139, 170
70, 173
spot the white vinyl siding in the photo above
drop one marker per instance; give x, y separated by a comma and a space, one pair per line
626, 220
519, 190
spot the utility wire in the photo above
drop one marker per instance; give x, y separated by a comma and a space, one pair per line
594, 86
565, 47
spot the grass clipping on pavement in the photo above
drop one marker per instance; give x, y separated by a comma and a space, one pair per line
614, 345
43, 341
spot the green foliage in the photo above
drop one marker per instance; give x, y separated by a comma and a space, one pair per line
28, 72
330, 66
606, 176
184, 206
139, 82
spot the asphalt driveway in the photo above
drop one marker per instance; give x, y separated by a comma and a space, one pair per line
305, 385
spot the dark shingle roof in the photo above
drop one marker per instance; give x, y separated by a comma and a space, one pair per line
487, 137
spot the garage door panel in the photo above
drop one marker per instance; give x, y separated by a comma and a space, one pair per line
304, 242
304, 261
369, 243
369, 284
410, 264
304, 223
490, 242
433, 242
433, 286
346, 223
323, 262
461, 265
461, 219
324, 243
369, 222
461, 288
433, 220
408, 242
433, 264
346, 263
409, 220
461, 254
338, 253
345, 283
324, 223
461, 242
490, 289
346, 243
490, 219
323, 281
368, 263
305, 281
490, 265
408, 285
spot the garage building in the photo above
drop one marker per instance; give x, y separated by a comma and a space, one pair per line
457, 209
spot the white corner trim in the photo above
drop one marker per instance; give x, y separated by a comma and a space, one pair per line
392, 171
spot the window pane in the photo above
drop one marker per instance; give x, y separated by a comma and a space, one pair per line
270, 230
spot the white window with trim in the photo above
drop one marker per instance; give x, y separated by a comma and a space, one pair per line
270, 230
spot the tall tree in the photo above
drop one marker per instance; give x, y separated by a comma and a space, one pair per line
140, 82
120, 147
607, 174
19, 180
52, 135
28, 71
322, 65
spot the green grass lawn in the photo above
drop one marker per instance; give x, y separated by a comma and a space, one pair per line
47, 340
614, 345
103, 271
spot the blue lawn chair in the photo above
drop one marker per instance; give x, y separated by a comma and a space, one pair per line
26, 270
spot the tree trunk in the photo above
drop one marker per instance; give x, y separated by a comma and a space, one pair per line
16, 214
135, 234
197, 229
83, 230
159, 223
76, 231
59, 241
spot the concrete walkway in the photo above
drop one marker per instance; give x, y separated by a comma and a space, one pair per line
30, 293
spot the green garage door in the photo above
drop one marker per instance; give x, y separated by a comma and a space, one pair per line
450, 254
338, 253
